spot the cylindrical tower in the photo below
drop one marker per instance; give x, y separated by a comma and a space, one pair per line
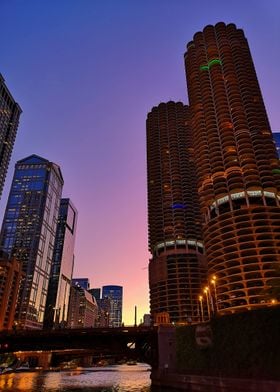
177, 267
237, 167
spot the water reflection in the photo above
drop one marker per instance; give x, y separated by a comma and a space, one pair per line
122, 378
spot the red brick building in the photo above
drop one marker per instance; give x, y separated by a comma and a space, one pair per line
10, 278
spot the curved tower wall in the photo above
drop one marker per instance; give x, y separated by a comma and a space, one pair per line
237, 167
177, 267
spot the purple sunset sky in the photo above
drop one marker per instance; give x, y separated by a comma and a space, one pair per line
86, 73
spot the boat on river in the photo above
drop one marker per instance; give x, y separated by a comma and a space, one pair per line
131, 362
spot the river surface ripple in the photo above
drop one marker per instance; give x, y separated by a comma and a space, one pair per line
119, 378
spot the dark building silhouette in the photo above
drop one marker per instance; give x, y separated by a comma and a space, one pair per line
95, 292
177, 267
237, 167
28, 232
9, 120
62, 267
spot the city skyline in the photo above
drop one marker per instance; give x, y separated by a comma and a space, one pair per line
139, 65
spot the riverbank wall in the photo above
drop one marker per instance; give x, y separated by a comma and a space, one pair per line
169, 382
238, 352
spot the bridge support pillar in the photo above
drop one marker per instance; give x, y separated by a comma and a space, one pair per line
44, 359
166, 348
87, 361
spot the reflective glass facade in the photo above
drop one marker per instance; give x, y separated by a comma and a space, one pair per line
83, 282
96, 293
276, 137
9, 119
115, 294
62, 267
28, 232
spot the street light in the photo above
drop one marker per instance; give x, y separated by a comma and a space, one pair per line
206, 291
213, 281
201, 307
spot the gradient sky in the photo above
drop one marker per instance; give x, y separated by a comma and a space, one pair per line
85, 73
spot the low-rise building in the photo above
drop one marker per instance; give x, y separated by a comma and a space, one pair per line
10, 278
82, 309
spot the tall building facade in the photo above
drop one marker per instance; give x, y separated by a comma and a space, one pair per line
104, 306
9, 119
276, 137
83, 309
237, 167
10, 278
83, 282
115, 295
95, 292
62, 267
177, 267
28, 232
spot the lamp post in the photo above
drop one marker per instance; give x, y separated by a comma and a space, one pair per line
201, 307
206, 291
213, 281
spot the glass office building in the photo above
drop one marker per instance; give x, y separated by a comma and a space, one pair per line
9, 120
276, 137
115, 295
83, 282
28, 232
62, 267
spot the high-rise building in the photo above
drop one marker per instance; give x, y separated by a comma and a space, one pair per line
104, 306
104, 310
28, 232
177, 267
9, 120
62, 267
83, 282
237, 167
276, 137
82, 308
115, 295
95, 292
147, 320
10, 278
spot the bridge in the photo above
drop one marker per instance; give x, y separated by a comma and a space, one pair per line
139, 343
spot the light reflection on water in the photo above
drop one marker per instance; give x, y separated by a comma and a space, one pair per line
121, 378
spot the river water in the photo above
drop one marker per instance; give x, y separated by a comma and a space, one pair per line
119, 378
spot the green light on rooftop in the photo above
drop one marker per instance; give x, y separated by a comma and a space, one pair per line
209, 65
213, 62
276, 171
